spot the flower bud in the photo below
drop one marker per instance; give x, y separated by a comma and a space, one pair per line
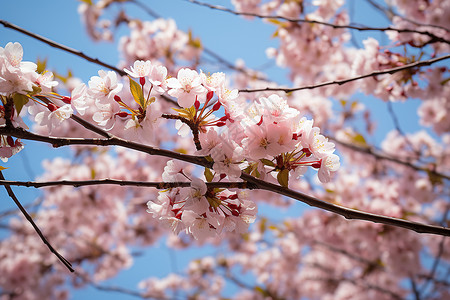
117, 98
66, 99
122, 114
209, 95
317, 164
216, 106
196, 104
52, 107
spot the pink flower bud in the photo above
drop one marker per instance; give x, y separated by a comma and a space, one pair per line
142, 80
196, 104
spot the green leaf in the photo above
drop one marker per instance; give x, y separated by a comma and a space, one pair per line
283, 177
255, 172
136, 91
268, 162
19, 101
208, 174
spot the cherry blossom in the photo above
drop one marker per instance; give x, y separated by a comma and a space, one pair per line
274, 136
186, 87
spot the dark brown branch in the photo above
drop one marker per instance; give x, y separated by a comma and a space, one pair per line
433, 37
193, 126
114, 141
36, 228
157, 185
260, 184
348, 213
416, 64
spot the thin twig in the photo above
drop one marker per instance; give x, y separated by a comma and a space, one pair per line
107, 181
389, 13
36, 228
416, 64
61, 47
206, 50
192, 125
434, 38
261, 184
399, 129
78, 53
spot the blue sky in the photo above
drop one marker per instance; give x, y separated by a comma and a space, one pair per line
228, 35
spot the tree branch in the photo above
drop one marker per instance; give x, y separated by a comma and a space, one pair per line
416, 64
61, 47
434, 38
260, 184
378, 155
206, 50
36, 228
157, 185
78, 53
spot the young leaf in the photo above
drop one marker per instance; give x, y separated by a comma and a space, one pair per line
19, 101
267, 162
136, 91
208, 174
2, 168
283, 177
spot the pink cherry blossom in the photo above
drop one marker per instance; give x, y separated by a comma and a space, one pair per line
140, 68
187, 87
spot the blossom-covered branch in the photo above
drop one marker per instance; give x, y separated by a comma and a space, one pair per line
379, 155
258, 183
416, 64
434, 38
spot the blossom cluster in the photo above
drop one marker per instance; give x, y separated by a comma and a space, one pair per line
265, 138
201, 211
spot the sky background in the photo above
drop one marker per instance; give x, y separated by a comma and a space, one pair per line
230, 36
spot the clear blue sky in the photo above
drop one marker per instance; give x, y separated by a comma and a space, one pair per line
228, 35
